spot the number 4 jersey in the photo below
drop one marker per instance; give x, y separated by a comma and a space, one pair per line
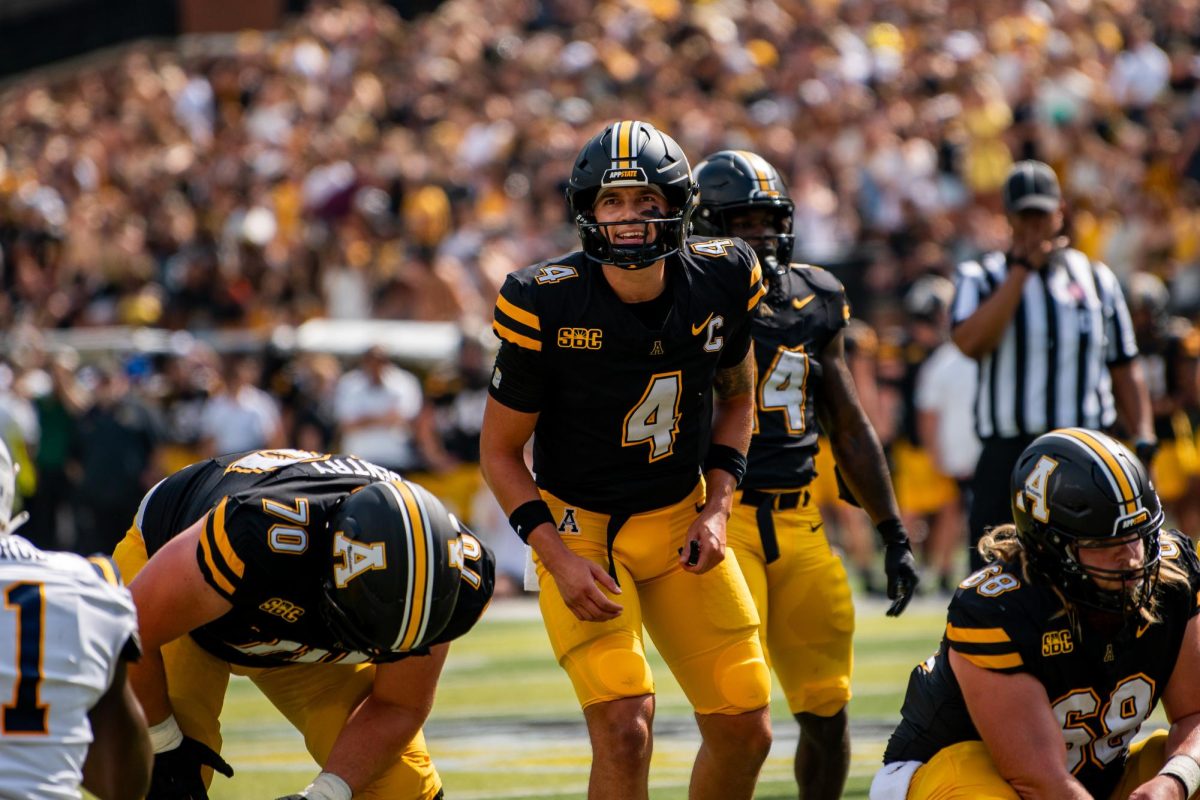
1102, 688
789, 335
623, 391
65, 624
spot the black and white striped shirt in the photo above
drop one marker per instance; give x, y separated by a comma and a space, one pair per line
1050, 368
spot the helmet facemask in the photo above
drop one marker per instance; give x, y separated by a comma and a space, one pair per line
1056, 557
774, 250
661, 236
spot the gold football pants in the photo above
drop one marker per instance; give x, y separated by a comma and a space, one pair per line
803, 599
704, 626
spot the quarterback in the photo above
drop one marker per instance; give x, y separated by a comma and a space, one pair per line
629, 364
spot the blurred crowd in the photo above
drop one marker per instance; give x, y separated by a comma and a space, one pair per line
354, 165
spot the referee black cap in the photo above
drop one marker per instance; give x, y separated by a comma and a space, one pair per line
1031, 185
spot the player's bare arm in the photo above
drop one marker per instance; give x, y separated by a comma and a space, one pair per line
119, 758
855, 446
1181, 701
172, 599
1034, 763
502, 460
733, 417
388, 719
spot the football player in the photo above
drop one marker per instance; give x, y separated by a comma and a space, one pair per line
1059, 649
1170, 348
609, 359
799, 584
331, 583
67, 630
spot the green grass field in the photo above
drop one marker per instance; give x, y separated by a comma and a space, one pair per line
506, 724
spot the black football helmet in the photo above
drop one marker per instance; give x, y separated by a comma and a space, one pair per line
1075, 488
632, 153
394, 578
731, 181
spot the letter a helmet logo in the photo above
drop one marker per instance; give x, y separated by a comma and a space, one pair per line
356, 558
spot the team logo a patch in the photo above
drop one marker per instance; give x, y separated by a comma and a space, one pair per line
657, 349
356, 558
568, 523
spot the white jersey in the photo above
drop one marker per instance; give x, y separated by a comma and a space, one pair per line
63, 630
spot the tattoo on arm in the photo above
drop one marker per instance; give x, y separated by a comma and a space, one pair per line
735, 380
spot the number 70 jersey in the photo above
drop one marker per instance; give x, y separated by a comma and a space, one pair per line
64, 625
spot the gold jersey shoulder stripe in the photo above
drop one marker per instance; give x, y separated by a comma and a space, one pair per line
517, 313
508, 334
976, 635
757, 296
1006, 661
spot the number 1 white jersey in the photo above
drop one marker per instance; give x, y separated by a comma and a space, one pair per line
65, 623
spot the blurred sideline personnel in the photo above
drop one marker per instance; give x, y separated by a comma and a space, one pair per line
1170, 348
67, 629
799, 585
1052, 335
327, 580
927, 493
1057, 652
609, 358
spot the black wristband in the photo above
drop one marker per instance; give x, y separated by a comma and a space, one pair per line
892, 531
528, 516
730, 459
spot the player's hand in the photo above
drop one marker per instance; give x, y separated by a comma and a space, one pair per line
176, 773
708, 533
902, 577
576, 578
1160, 787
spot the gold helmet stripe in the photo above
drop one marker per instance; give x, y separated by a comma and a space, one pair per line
1111, 467
416, 592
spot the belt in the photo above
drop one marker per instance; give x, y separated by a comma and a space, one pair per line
766, 502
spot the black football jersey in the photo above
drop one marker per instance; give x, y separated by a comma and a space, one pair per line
1102, 688
788, 339
625, 410
266, 548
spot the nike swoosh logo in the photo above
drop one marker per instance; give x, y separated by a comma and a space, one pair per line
816, 526
1142, 629
698, 329
798, 304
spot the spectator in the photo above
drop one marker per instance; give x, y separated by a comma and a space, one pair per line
240, 416
117, 456
375, 407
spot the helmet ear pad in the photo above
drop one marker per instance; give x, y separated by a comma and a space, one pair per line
393, 584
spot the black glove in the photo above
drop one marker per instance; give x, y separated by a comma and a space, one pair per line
1146, 450
176, 773
899, 565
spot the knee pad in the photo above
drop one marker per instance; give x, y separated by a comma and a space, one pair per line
608, 667
742, 679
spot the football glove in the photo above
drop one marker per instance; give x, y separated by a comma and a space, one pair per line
899, 565
1146, 449
176, 773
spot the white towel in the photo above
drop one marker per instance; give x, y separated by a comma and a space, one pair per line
531, 579
891, 782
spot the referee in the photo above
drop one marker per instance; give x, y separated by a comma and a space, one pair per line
1053, 338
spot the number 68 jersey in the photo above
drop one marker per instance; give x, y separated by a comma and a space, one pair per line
1101, 688
64, 625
